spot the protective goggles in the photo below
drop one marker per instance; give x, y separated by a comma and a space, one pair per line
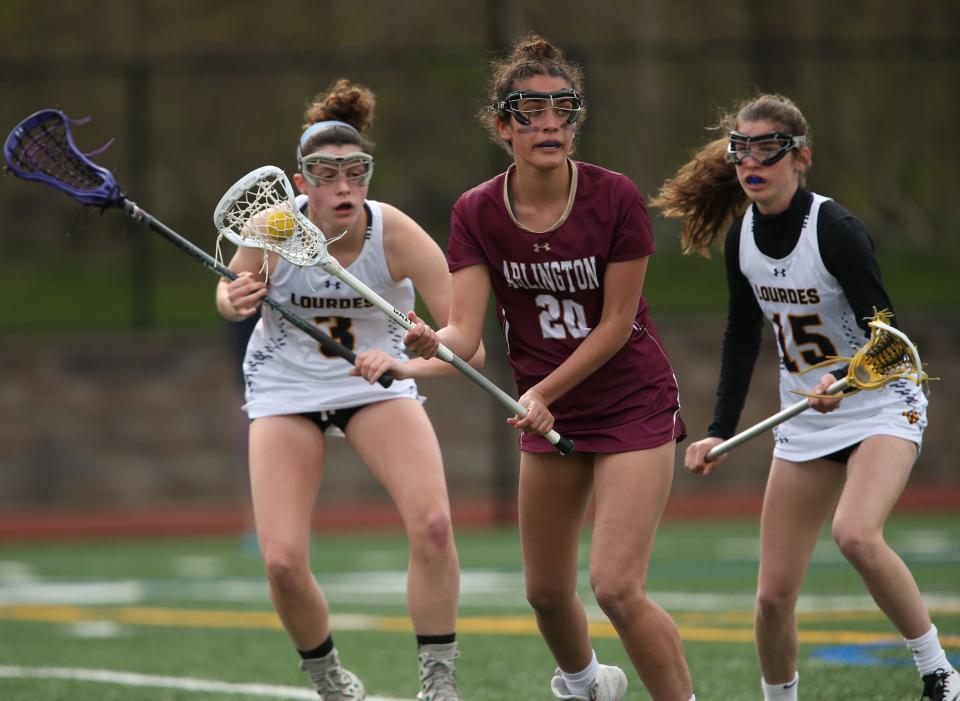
765, 149
325, 168
529, 105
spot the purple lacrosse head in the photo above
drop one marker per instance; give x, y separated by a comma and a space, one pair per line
41, 148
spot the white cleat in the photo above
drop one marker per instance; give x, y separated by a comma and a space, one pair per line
942, 685
332, 681
437, 682
610, 685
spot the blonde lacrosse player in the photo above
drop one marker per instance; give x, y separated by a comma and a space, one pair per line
296, 396
807, 265
564, 246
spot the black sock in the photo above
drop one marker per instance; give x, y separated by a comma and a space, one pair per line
436, 639
322, 650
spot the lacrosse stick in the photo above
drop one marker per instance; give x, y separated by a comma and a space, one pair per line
887, 355
41, 148
261, 203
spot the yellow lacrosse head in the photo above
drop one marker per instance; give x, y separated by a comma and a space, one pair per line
887, 355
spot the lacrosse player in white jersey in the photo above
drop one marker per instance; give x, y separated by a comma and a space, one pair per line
808, 266
296, 396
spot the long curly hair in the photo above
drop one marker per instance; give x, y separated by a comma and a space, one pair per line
705, 192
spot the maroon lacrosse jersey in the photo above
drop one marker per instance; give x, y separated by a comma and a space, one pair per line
549, 292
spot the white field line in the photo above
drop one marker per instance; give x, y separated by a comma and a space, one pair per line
481, 589
106, 676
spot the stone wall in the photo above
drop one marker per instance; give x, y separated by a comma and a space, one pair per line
146, 422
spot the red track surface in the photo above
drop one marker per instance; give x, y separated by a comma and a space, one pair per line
60, 524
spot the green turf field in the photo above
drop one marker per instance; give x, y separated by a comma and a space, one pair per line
171, 620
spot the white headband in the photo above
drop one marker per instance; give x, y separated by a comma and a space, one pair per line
320, 126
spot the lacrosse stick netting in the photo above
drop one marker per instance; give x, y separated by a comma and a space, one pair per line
247, 216
887, 355
260, 211
41, 148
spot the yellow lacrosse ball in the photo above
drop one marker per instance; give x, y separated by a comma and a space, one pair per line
279, 225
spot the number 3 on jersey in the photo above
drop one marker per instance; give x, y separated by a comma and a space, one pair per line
339, 328
560, 318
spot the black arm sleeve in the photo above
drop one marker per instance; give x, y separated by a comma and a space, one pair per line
741, 342
848, 254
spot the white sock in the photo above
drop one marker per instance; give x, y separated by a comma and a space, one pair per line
781, 692
927, 652
579, 682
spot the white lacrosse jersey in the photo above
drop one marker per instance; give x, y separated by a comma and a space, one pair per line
811, 321
286, 372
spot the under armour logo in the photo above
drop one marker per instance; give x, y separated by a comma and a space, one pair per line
779, 272
335, 284
540, 247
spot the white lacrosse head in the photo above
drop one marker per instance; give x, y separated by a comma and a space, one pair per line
260, 211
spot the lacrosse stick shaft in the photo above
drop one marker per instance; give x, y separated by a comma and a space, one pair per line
332, 267
770, 422
156, 225
41, 148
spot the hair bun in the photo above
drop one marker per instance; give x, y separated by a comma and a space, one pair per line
536, 47
346, 102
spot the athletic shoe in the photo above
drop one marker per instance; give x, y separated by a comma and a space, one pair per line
942, 685
333, 682
437, 681
610, 685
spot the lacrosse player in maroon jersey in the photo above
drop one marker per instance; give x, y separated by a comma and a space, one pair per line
564, 247
806, 264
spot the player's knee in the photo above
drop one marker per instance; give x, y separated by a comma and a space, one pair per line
285, 570
617, 595
545, 598
775, 601
858, 545
432, 535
